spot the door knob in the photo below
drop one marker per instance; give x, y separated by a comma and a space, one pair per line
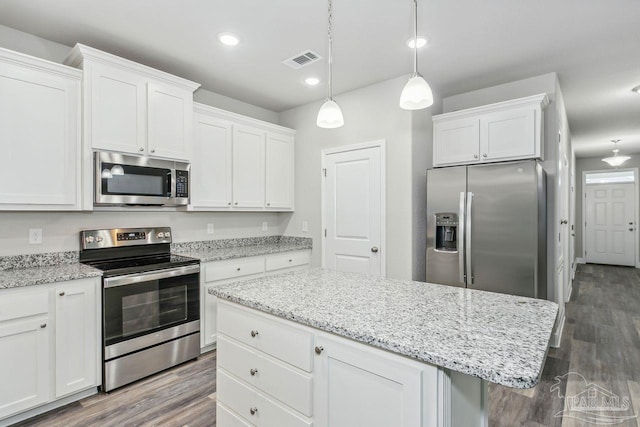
253, 410
374, 249
253, 372
564, 221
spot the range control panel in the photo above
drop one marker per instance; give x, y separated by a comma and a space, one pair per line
117, 237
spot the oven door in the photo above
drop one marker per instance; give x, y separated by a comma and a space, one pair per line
145, 309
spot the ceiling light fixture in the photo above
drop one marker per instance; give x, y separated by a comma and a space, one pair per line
615, 160
330, 114
636, 89
416, 94
228, 39
312, 81
422, 42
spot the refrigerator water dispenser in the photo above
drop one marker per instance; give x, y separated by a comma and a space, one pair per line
446, 232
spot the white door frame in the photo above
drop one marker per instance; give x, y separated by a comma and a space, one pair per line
383, 196
637, 213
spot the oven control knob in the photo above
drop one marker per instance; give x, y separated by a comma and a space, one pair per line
99, 239
89, 239
160, 235
167, 234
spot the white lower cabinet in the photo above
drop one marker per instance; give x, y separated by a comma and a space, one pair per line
218, 273
49, 344
274, 372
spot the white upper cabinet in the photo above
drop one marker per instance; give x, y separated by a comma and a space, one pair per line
240, 163
211, 177
248, 167
39, 133
508, 130
279, 171
134, 109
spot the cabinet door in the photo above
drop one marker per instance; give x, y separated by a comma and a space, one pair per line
76, 336
170, 121
118, 110
279, 171
361, 386
455, 142
211, 175
248, 167
39, 130
24, 346
508, 135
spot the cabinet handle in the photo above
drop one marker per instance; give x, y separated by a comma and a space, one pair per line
44, 325
238, 268
290, 260
484, 155
229, 204
374, 249
319, 349
236, 203
61, 294
475, 156
253, 410
631, 229
563, 222
140, 149
253, 372
254, 333
268, 204
153, 150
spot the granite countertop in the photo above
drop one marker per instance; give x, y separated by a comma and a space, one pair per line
499, 338
37, 269
216, 250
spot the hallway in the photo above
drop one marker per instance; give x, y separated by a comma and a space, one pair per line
601, 342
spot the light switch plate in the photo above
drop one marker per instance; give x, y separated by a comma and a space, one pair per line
305, 226
210, 228
35, 236
265, 226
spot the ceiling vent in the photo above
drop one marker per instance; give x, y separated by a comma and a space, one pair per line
302, 59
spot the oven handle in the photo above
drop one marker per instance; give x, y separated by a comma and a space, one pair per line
129, 279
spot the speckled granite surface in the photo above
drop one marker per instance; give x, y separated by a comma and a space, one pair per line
499, 338
37, 269
216, 250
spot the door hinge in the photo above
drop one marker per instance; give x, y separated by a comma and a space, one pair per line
325, 232
324, 171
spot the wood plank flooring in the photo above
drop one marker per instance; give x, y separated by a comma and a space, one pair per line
601, 341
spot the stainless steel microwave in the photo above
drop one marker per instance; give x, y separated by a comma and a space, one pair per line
123, 180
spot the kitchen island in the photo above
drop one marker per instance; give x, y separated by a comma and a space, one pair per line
319, 347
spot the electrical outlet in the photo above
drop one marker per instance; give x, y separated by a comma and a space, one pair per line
305, 226
265, 226
209, 228
35, 236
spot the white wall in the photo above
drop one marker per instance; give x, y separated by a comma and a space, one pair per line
370, 114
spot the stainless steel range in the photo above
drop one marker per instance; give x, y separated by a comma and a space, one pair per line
150, 302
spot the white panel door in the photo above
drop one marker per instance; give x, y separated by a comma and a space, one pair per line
353, 211
609, 229
118, 110
508, 135
279, 171
39, 133
211, 176
24, 346
170, 122
456, 141
248, 167
76, 336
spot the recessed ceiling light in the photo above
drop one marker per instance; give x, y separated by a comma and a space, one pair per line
228, 39
312, 81
636, 90
422, 41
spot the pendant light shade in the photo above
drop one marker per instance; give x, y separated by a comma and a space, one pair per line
615, 160
417, 93
330, 114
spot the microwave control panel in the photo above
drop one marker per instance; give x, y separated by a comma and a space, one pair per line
182, 183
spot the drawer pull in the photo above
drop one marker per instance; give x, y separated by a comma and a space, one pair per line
238, 268
254, 333
61, 294
44, 325
253, 410
290, 260
319, 349
253, 372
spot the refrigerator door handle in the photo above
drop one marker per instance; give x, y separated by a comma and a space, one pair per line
468, 242
461, 251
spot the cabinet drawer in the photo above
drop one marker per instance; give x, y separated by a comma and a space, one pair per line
276, 379
290, 259
15, 306
226, 418
229, 269
242, 399
266, 333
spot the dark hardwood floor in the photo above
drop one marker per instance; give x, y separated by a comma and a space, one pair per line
600, 341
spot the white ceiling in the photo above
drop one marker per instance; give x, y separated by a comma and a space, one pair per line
592, 44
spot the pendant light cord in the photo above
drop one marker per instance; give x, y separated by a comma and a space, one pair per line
330, 15
415, 38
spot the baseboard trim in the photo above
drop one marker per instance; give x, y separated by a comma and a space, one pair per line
580, 261
556, 336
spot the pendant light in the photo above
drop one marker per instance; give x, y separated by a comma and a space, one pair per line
330, 114
615, 160
416, 94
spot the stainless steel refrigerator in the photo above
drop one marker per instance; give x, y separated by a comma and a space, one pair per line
486, 227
